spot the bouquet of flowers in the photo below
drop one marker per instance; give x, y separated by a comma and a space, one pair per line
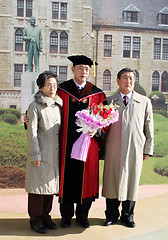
89, 120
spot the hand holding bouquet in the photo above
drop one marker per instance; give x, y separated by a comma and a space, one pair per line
89, 120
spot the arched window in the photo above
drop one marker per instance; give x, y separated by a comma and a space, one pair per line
53, 42
137, 76
107, 80
64, 42
155, 81
164, 85
19, 40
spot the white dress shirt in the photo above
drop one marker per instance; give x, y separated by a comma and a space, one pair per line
129, 96
80, 87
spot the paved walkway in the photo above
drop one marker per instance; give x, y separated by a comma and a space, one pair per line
151, 217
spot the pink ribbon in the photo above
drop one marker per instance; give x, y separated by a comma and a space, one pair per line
80, 147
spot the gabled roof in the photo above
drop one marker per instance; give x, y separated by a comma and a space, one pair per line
164, 11
131, 8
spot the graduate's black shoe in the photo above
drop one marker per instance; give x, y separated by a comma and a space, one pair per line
40, 229
50, 225
128, 221
83, 222
109, 222
66, 222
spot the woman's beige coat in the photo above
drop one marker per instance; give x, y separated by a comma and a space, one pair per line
42, 138
127, 141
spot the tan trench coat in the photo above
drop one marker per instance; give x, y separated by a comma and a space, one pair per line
127, 141
42, 138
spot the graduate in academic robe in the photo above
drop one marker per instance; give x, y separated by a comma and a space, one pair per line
79, 181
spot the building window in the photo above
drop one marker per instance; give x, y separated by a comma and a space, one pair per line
131, 17
53, 42
26, 67
56, 7
53, 68
163, 16
157, 48
107, 80
136, 47
28, 8
164, 85
20, 8
107, 45
127, 47
13, 106
63, 11
55, 10
62, 74
136, 76
19, 40
131, 14
63, 42
165, 49
155, 81
18, 70
164, 19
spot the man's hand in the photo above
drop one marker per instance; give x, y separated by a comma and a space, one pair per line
145, 156
26, 120
91, 134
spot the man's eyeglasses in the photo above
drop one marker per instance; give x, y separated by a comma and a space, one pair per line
80, 68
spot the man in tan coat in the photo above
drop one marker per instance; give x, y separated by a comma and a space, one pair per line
128, 142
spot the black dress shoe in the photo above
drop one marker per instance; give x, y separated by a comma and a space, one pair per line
40, 229
109, 222
128, 221
65, 222
50, 225
83, 222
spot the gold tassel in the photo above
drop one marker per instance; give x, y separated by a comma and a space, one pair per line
94, 69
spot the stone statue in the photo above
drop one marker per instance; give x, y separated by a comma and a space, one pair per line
33, 38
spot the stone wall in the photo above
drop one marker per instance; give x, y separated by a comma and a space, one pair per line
145, 65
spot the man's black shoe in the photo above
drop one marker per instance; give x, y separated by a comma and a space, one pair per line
40, 229
109, 222
66, 223
50, 225
83, 222
128, 221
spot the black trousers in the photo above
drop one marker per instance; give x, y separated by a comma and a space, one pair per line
39, 207
82, 210
112, 211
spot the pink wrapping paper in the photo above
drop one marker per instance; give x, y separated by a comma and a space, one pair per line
80, 147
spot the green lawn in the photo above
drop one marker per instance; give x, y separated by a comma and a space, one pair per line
160, 158
13, 146
148, 176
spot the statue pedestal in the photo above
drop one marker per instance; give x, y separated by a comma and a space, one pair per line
28, 89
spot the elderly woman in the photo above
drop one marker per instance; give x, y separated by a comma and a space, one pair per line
42, 170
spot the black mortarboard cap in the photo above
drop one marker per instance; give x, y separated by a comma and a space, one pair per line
81, 59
